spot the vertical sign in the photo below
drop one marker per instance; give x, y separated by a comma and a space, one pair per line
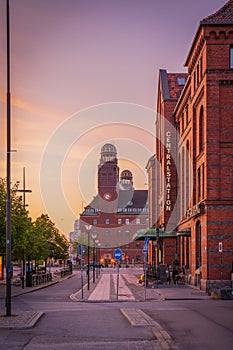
1, 267
168, 172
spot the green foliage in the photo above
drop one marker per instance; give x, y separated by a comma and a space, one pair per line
37, 240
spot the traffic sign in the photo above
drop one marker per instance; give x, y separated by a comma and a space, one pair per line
145, 245
80, 249
117, 254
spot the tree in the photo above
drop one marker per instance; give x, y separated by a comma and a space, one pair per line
20, 221
37, 240
50, 243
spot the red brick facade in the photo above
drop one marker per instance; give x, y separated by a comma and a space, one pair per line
199, 132
117, 212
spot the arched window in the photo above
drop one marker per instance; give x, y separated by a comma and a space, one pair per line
187, 177
198, 244
201, 129
183, 183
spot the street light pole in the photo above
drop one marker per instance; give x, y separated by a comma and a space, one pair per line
157, 255
96, 256
24, 191
8, 201
88, 229
94, 235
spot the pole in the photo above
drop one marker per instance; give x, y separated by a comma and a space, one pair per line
157, 256
93, 260
145, 277
82, 270
8, 201
88, 229
220, 269
118, 269
24, 205
88, 260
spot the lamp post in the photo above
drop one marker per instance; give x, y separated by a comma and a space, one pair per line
158, 228
24, 191
88, 229
8, 175
94, 235
98, 251
96, 256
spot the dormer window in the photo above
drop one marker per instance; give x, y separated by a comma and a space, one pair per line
181, 81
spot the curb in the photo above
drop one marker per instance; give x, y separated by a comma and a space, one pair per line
23, 320
138, 318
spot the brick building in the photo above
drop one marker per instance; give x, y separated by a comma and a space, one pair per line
117, 212
192, 199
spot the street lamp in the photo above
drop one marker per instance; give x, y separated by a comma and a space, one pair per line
88, 229
98, 251
94, 235
158, 230
96, 256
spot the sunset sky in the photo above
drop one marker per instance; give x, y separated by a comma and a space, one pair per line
80, 71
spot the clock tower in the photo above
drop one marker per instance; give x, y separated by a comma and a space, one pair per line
108, 173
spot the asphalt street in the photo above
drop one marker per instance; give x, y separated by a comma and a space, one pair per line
177, 317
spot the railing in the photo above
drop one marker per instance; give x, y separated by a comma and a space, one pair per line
40, 278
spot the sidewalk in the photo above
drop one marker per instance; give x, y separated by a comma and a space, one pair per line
26, 319
104, 290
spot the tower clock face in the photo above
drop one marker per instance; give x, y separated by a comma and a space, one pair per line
107, 196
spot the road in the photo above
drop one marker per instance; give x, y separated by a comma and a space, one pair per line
66, 324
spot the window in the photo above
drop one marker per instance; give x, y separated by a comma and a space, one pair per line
198, 74
107, 233
95, 222
187, 114
198, 245
181, 81
107, 221
201, 67
119, 221
127, 221
203, 181
198, 184
201, 129
137, 245
138, 221
231, 57
119, 233
194, 80
127, 233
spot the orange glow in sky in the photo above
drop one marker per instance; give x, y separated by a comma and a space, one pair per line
69, 56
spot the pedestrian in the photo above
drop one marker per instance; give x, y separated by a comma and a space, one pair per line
175, 275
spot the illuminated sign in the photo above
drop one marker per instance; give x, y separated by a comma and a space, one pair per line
168, 173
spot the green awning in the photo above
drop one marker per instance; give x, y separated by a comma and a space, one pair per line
151, 233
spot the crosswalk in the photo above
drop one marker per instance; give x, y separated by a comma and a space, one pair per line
103, 291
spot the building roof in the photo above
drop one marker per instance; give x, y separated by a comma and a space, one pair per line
172, 84
128, 202
223, 16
